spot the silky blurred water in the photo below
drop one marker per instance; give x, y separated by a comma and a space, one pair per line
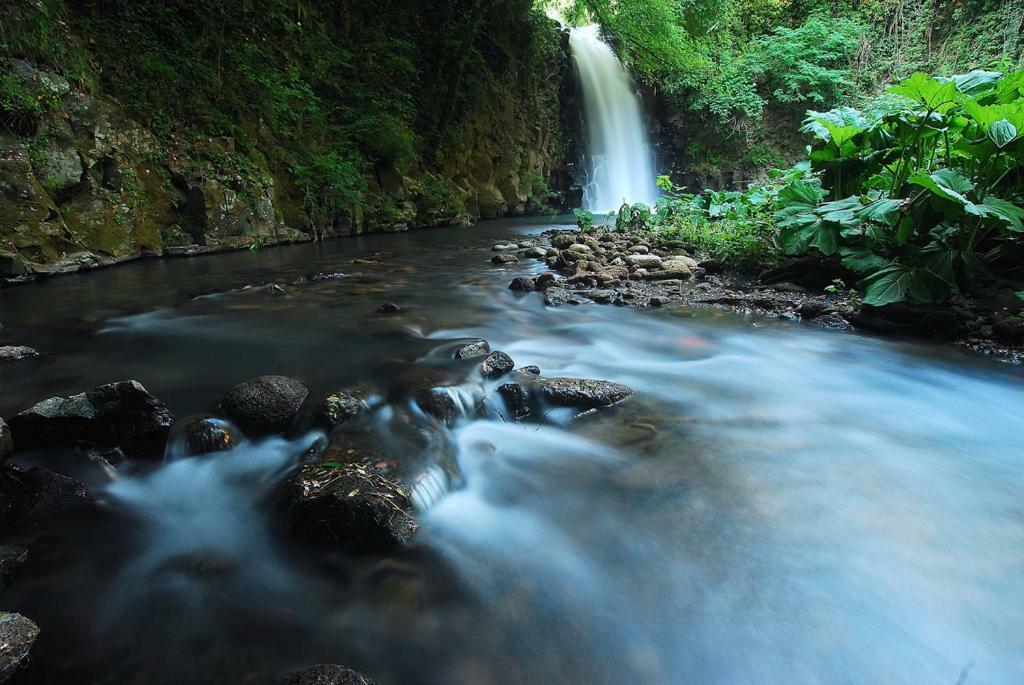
776, 504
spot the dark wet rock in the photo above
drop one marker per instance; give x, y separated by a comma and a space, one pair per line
205, 435
16, 353
1010, 329
472, 350
29, 495
6, 442
516, 399
523, 284
712, 266
341, 407
324, 674
264, 405
120, 415
584, 393
812, 307
12, 558
389, 308
351, 505
504, 258
546, 279
530, 369
832, 321
17, 635
437, 402
556, 296
497, 365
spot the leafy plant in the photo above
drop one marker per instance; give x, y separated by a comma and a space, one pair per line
920, 194
584, 219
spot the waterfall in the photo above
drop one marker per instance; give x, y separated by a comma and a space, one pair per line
620, 164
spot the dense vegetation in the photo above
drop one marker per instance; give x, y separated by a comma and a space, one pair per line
916, 189
327, 93
737, 75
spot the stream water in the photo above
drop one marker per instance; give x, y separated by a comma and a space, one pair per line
776, 504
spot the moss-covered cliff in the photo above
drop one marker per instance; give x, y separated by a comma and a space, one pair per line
146, 127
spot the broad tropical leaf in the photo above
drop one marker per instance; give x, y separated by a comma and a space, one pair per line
946, 183
932, 93
899, 282
861, 261
1010, 214
1002, 133
975, 82
883, 211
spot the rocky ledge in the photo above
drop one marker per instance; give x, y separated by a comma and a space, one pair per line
636, 270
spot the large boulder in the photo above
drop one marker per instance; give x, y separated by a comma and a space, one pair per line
264, 405
119, 415
351, 505
583, 393
17, 635
29, 495
324, 674
6, 442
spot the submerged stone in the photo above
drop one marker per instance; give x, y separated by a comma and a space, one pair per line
584, 393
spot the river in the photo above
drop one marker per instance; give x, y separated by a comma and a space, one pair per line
776, 504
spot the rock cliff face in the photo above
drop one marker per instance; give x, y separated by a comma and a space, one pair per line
83, 185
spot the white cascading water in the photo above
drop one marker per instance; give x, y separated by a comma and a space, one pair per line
619, 158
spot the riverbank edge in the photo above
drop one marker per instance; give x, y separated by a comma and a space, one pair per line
637, 270
84, 262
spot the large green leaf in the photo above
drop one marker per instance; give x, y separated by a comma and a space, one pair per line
1011, 87
842, 212
1002, 133
975, 82
987, 115
861, 261
801, 193
898, 282
885, 211
1008, 213
945, 183
934, 94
